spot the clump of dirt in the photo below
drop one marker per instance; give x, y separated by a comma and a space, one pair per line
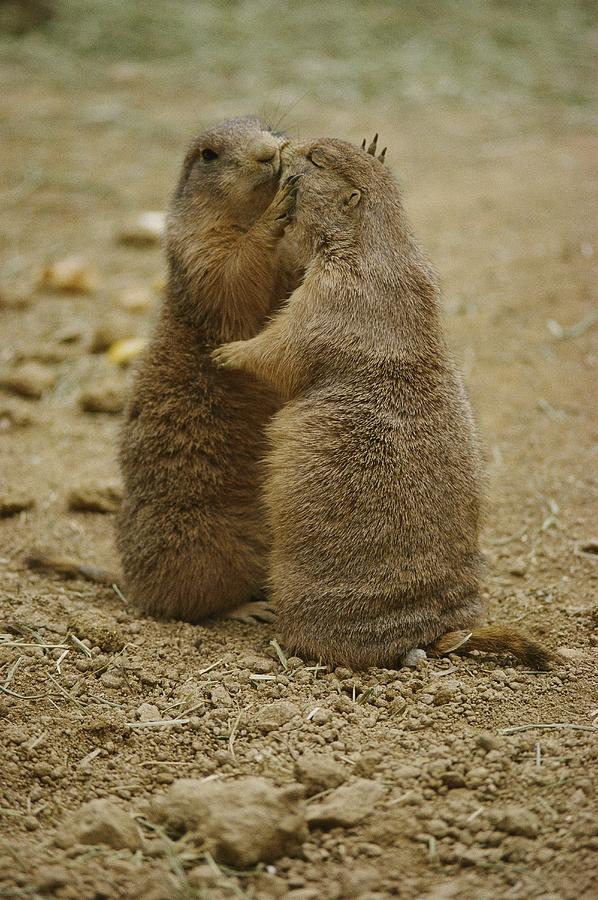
240, 823
93, 497
100, 822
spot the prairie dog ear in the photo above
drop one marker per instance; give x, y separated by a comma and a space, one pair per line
318, 158
352, 198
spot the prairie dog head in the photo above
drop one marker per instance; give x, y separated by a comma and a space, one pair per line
231, 170
339, 185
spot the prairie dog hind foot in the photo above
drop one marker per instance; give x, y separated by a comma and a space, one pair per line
252, 613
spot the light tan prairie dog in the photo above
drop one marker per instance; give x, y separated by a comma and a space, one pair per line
373, 488
191, 533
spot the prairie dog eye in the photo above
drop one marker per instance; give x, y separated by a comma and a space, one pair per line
208, 154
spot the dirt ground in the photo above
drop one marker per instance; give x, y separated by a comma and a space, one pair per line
446, 787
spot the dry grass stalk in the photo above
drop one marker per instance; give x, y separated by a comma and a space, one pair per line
81, 646
158, 723
233, 733
64, 691
36, 644
554, 725
11, 672
84, 763
209, 668
279, 652
60, 659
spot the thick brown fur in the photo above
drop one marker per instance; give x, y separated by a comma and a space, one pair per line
191, 535
374, 475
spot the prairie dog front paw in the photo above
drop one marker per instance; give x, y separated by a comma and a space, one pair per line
280, 212
253, 612
229, 356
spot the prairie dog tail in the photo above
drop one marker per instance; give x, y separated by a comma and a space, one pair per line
496, 639
69, 568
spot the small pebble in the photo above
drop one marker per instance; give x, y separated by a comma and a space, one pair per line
136, 299
220, 696
143, 230
101, 498
112, 330
367, 763
321, 716
108, 397
110, 680
73, 274
147, 712
515, 820
13, 414
346, 806
125, 351
446, 692
30, 379
318, 773
16, 735
100, 822
13, 503
488, 741
275, 715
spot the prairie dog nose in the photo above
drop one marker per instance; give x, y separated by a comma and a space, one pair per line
265, 151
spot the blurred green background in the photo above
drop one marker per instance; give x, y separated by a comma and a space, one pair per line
358, 51
100, 98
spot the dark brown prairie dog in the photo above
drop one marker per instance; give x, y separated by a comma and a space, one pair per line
190, 531
374, 473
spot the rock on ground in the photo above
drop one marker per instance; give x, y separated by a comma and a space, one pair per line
241, 822
114, 328
14, 415
148, 712
14, 502
101, 498
136, 299
30, 380
73, 275
144, 229
318, 773
275, 715
105, 398
347, 805
515, 820
100, 822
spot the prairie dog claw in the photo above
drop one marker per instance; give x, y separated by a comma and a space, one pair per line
228, 355
373, 146
282, 207
252, 613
